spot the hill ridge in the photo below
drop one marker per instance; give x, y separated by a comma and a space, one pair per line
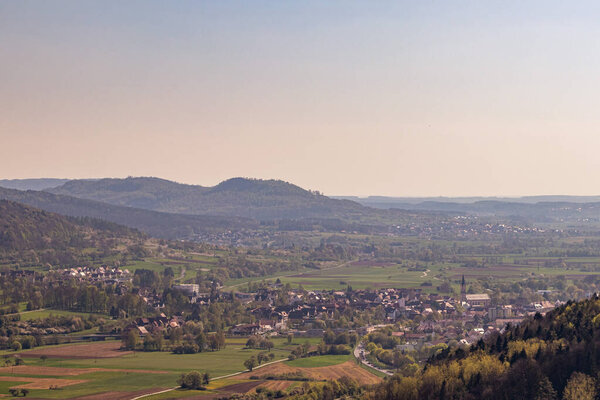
241, 197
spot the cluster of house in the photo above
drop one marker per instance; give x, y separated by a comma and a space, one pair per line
441, 318
152, 325
103, 273
461, 226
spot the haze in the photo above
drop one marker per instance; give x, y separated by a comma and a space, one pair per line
350, 98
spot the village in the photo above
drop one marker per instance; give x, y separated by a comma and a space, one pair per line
418, 318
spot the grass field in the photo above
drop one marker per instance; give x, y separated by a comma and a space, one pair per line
29, 315
130, 372
378, 275
360, 276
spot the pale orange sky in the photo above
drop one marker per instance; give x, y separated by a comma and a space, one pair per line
349, 98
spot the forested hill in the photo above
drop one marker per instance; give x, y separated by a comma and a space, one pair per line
556, 356
162, 225
32, 184
24, 228
572, 209
253, 198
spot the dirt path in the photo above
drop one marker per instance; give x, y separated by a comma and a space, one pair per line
25, 312
182, 275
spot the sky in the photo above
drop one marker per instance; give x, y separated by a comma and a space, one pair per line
417, 98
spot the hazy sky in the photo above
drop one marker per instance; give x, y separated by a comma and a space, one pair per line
390, 98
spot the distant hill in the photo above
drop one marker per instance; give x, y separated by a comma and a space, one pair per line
32, 184
25, 228
406, 202
157, 224
532, 208
242, 197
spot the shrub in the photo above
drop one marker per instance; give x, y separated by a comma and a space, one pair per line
192, 380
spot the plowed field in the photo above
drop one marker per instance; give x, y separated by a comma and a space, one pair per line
59, 371
349, 369
88, 350
40, 383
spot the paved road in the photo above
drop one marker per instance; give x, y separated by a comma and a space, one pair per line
357, 353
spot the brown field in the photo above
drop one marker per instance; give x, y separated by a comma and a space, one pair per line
41, 383
88, 350
59, 371
331, 372
275, 385
119, 395
244, 387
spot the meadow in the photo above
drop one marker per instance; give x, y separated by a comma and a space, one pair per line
127, 371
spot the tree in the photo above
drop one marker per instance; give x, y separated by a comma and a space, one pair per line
250, 363
201, 341
545, 390
580, 387
329, 337
192, 380
445, 287
43, 358
205, 378
132, 339
252, 342
290, 338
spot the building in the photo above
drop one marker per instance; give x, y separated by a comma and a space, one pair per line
479, 300
189, 289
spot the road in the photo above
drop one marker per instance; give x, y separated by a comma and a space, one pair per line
25, 312
360, 348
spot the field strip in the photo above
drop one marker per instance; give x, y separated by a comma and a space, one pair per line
292, 274
25, 312
213, 379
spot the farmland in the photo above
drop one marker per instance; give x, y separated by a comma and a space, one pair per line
314, 371
78, 370
307, 283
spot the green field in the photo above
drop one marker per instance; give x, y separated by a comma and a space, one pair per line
220, 363
399, 276
29, 315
